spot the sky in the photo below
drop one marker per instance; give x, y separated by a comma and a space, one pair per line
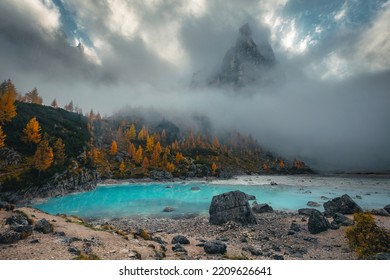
329, 107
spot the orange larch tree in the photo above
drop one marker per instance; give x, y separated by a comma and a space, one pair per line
114, 148
32, 132
33, 97
213, 168
138, 155
149, 144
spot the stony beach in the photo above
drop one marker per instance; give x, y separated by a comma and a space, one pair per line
277, 235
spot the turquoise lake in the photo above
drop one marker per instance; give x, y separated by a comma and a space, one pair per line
149, 199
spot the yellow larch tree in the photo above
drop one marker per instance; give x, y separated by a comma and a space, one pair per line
215, 142
167, 153
2, 138
122, 167
149, 144
32, 132
138, 155
33, 97
43, 157
7, 101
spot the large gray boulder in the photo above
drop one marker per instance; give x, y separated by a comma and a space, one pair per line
231, 206
343, 205
317, 222
262, 208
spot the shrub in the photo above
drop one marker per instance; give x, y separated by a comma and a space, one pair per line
366, 238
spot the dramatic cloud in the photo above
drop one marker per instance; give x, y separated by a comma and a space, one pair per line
330, 107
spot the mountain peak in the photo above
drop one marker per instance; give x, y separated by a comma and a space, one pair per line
245, 30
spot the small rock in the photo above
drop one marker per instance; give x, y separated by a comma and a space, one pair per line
381, 256
59, 233
295, 227
324, 198
273, 183
243, 239
262, 208
215, 247
380, 212
358, 197
334, 225
278, 257
254, 250
313, 204
305, 211
180, 239
195, 188
43, 226
74, 251
342, 220
134, 255
317, 222
178, 248
34, 241
168, 187
168, 209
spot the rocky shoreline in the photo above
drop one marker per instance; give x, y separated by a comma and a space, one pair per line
27, 233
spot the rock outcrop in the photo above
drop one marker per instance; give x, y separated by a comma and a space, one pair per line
231, 206
343, 205
61, 184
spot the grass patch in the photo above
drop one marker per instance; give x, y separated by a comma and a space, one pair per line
366, 238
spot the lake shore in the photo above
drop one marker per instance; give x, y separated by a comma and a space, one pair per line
270, 238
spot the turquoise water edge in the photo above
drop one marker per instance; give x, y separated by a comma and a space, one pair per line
193, 198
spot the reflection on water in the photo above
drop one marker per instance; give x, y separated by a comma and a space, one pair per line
149, 199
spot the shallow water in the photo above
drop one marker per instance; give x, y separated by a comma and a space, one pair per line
149, 199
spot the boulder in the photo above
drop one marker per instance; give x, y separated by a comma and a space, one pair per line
231, 206
317, 222
334, 225
387, 208
343, 205
10, 237
17, 220
250, 197
43, 226
180, 239
340, 219
262, 208
305, 211
215, 247
178, 248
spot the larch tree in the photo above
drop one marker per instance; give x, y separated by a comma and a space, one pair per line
138, 155
2, 138
69, 107
32, 132
131, 133
132, 151
33, 97
179, 157
114, 148
122, 167
7, 101
43, 157
149, 144
145, 163
54, 103
59, 152
215, 142
213, 168
170, 167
